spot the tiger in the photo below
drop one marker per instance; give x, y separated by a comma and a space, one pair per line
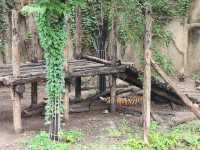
125, 101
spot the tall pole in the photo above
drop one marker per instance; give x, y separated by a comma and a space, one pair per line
147, 73
78, 52
113, 59
16, 98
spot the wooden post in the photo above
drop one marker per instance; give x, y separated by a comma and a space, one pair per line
34, 93
147, 73
78, 52
67, 56
16, 98
113, 59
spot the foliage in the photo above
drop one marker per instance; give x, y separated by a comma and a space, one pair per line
183, 7
186, 135
131, 13
196, 76
52, 39
164, 62
42, 141
51, 24
70, 136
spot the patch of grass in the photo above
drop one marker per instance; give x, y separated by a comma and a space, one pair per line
124, 127
113, 132
187, 135
70, 136
121, 130
42, 142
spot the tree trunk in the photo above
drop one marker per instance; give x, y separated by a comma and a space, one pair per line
147, 74
16, 98
113, 59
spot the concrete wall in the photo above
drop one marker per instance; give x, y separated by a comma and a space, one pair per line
185, 47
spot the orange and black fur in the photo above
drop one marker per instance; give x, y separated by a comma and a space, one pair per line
125, 101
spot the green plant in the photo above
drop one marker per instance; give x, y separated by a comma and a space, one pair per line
70, 136
28, 36
42, 142
134, 144
186, 135
183, 7
164, 62
51, 24
196, 76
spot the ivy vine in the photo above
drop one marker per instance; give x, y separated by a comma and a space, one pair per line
51, 23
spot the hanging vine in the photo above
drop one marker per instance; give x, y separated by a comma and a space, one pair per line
51, 24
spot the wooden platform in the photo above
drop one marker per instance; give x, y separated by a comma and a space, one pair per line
37, 71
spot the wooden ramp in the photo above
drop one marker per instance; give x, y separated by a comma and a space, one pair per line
161, 91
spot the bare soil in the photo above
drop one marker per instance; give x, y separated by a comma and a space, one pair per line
94, 125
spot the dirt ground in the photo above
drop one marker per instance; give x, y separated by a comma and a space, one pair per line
94, 125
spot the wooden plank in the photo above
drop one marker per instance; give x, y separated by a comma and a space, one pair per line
97, 60
41, 74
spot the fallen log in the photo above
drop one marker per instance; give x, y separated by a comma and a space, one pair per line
98, 60
182, 96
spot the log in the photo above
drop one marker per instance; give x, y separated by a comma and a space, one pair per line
147, 74
16, 98
97, 60
183, 97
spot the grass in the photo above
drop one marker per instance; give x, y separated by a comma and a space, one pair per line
42, 142
185, 136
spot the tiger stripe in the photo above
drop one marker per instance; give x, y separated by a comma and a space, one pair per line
128, 101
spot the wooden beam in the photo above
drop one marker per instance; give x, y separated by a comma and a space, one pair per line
147, 74
78, 51
183, 97
34, 93
16, 98
98, 60
113, 60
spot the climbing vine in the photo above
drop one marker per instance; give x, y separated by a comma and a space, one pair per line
52, 35
51, 24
